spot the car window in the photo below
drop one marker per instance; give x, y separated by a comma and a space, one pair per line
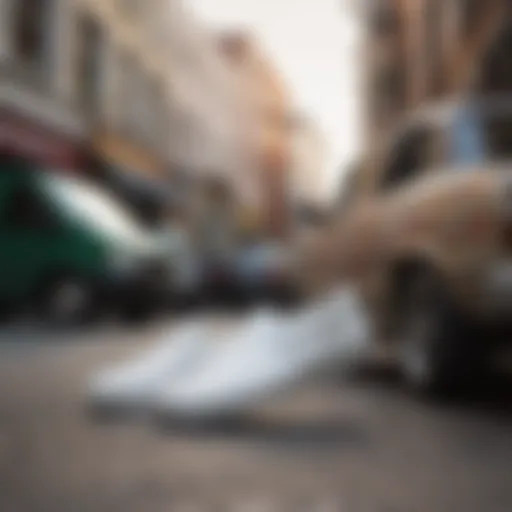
497, 129
467, 137
478, 135
93, 205
416, 150
27, 210
14, 163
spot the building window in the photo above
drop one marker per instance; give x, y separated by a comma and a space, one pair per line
433, 49
90, 64
468, 143
148, 108
480, 133
158, 118
31, 30
143, 101
121, 92
163, 123
495, 72
390, 90
27, 210
127, 94
384, 19
471, 14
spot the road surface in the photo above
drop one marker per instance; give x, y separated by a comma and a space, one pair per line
347, 444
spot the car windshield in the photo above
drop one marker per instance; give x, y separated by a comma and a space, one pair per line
93, 205
481, 135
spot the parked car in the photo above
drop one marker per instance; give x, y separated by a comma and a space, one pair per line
219, 280
263, 270
184, 269
259, 272
431, 250
69, 250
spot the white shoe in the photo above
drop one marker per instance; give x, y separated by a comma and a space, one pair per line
132, 384
271, 354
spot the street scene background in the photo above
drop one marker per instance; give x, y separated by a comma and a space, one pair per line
167, 164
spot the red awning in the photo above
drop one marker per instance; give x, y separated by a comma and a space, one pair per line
27, 138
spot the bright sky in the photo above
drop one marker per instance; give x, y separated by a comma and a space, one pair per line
314, 43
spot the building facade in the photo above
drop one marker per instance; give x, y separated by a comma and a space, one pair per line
308, 162
140, 89
88, 72
210, 107
39, 118
421, 51
269, 131
121, 58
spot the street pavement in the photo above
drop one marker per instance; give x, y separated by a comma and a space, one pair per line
344, 443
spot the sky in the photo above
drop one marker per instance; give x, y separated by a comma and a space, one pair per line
314, 44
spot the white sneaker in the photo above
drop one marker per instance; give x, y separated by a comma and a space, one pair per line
132, 384
335, 331
274, 352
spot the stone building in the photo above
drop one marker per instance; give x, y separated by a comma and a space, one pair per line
88, 72
39, 117
268, 118
421, 51
121, 57
308, 162
134, 90
210, 110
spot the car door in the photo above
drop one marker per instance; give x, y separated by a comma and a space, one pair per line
28, 237
418, 150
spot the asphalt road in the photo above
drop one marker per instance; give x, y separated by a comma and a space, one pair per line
353, 444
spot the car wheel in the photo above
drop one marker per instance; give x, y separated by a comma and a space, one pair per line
9, 311
68, 300
137, 311
285, 296
438, 353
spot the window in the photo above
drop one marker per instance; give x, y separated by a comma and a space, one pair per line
30, 29
27, 210
389, 91
152, 113
14, 163
385, 19
93, 205
119, 92
140, 99
497, 134
468, 145
127, 91
89, 64
471, 14
496, 72
159, 128
433, 48
480, 134
165, 123
410, 154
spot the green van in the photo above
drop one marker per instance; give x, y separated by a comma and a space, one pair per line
69, 250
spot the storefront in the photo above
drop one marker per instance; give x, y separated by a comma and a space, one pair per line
133, 174
122, 153
37, 142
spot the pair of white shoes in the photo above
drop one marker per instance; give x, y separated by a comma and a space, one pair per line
191, 375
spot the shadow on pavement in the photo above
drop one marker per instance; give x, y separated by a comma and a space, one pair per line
490, 396
295, 435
